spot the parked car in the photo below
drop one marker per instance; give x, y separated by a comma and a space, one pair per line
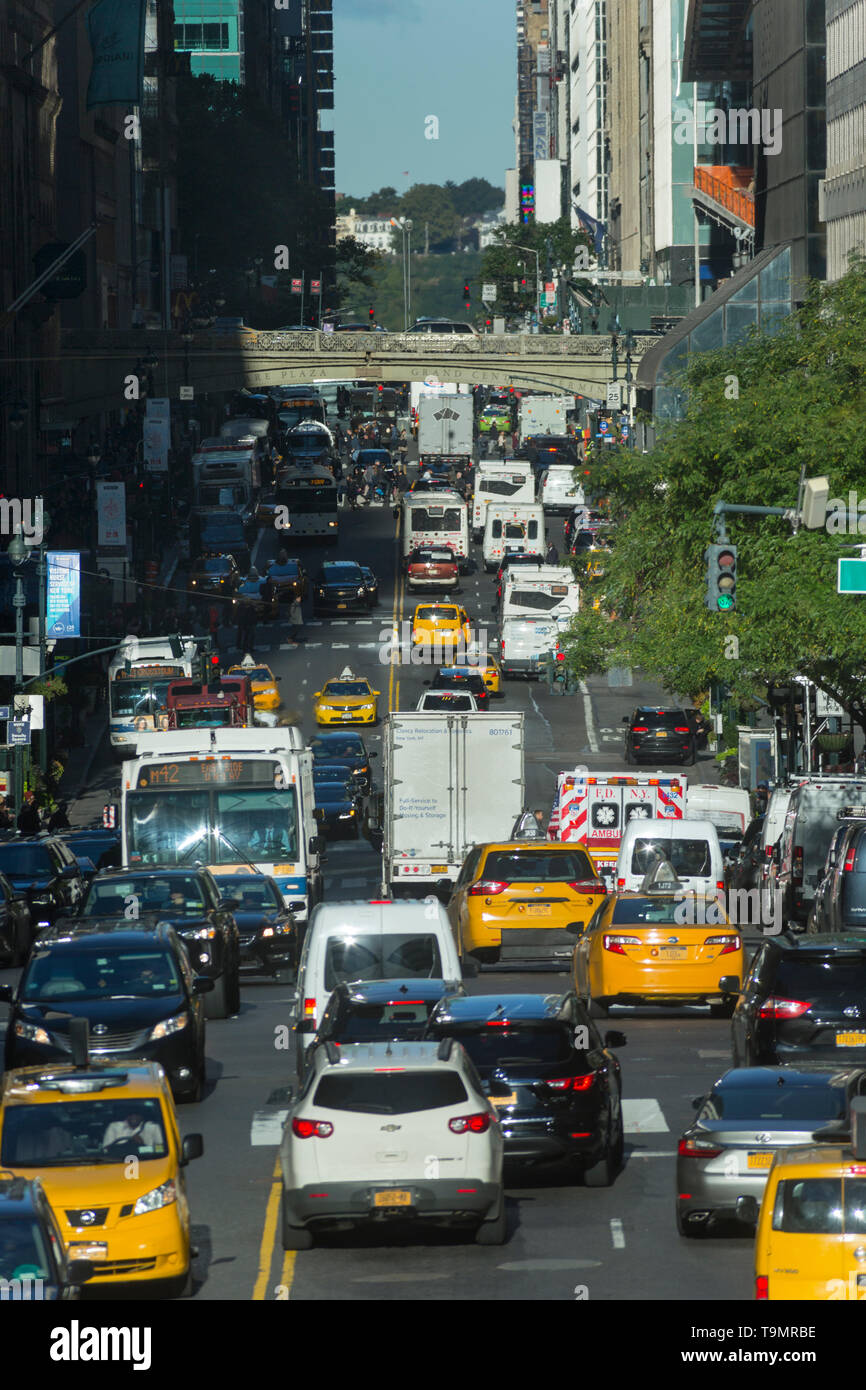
43, 870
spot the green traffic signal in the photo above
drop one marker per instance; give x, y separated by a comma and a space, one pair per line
721, 595
725, 601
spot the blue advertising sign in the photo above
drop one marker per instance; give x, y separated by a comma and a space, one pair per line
63, 601
116, 29
18, 731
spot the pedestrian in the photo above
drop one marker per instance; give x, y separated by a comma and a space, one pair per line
552, 555
29, 822
296, 620
59, 820
502, 444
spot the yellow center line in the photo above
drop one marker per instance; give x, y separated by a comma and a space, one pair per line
269, 1236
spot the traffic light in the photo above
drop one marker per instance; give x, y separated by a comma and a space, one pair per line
721, 577
466, 295
372, 312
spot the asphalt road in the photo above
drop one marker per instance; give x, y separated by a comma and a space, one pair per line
565, 1241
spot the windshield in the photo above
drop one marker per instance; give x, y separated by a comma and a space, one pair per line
432, 557
257, 673
341, 574
390, 1093
177, 895
436, 615
386, 957
25, 860
289, 416
435, 519
218, 565
689, 857
348, 746
139, 697
304, 501
649, 910
375, 1022
213, 718
82, 1132
76, 973
538, 865
256, 892
289, 570
23, 1252
346, 688
449, 701
226, 827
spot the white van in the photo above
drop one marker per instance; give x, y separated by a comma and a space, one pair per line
690, 846
774, 824
540, 591
524, 642
436, 518
500, 480
729, 809
372, 940
518, 527
558, 493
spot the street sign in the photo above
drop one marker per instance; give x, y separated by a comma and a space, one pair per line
851, 576
315, 287
35, 704
187, 393
603, 425
488, 293
18, 731
826, 707
614, 395
297, 287
4, 711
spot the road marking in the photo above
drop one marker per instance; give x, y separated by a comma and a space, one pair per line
643, 1117
711, 1054
269, 1235
589, 717
340, 622
315, 622
617, 1234
266, 1127
652, 1153
287, 1274
538, 711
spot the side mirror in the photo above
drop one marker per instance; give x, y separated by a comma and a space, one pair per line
317, 694
615, 1039
747, 1210
278, 678
79, 1271
230, 903
305, 1025
203, 984
470, 969
377, 693
192, 1147
730, 984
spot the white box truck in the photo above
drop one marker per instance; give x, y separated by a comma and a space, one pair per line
450, 782
446, 426
544, 415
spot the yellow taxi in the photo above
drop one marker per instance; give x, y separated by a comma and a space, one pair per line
347, 699
105, 1144
520, 900
659, 948
440, 624
263, 681
487, 666
810, 1241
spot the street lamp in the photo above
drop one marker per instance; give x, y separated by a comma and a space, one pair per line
537, 255
405, 224
629, 344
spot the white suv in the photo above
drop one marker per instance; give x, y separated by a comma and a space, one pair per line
392, 1130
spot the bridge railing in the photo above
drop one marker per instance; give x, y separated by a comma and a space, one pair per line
421, 345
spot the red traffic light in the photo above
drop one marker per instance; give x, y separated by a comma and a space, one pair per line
372, 312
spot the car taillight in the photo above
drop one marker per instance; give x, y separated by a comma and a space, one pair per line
310, 1129
797, 867
697, 1148
588, 885
572, 1083
848, 866
640, 729
678, 730
762, 1286
309, 1008
620, 883
616, 943
471, 1124
727, 943
488, 887
784, 1008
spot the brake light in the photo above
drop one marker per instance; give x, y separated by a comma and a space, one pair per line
572, 1083
678, 730
697, 1148
309, 1008
309, 1129
620, 883
499, 1023
784, 1008
848, 866
588, 885
616, 943
640, 729
762, 1286
488, 887
797, 867
720, 885
471, 1124
401, 1003
727, 943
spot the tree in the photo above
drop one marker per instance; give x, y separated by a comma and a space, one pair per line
755, 415
356, 265
432, 204
502, 264
474, 197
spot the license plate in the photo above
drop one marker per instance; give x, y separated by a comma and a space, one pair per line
660, 733
851, 1039
393, 1198
537, 910
504, 1100
759, 1160
673, 952
438, 868
342, 605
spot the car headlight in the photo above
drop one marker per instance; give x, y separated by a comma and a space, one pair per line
159, 1197
168, 1026
321, 593
347, 815
199, 934
43, 900
362, 591
32, 1033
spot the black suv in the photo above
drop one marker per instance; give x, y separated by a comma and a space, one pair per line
382, 1011
803, 999
665, 735
132, 983
339, 585
473, 681
190, 900
44, 870
551, 1076
30, 1240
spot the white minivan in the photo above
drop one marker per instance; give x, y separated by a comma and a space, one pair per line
524, 642
514, 527
690, 846
558, 493
371, 940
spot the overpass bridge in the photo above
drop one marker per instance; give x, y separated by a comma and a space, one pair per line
96, 366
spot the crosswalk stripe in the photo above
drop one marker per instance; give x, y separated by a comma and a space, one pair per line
266, 1127
643, 1117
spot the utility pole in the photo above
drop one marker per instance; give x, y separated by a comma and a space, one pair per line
426, 238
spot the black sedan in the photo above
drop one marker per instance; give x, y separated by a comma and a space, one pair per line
550, 1074
339, 587
381, 1011
338, 806
133, 984
45, 872
16, 924
347, 751
268, 931
190, 900
462, 678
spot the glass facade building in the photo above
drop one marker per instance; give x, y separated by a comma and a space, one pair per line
211, 31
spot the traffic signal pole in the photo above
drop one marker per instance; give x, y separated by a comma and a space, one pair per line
721, 510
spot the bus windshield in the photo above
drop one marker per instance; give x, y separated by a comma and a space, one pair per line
304, 500
257, 825
131, 697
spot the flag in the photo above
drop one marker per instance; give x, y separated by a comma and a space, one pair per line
405, 173
589, 224
116, 31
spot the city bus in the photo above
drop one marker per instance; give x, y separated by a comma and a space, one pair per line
292, 409
233, 800
436, 518
308, 497
139, 675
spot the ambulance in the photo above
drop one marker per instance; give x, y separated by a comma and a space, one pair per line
593, 809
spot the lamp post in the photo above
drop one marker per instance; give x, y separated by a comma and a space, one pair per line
629, 344
537, 255
405, 224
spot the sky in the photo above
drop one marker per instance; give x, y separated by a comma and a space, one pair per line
396, 62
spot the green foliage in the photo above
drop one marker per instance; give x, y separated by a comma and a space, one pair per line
356, 267
469, 199
756, 414
437, 286
557, 244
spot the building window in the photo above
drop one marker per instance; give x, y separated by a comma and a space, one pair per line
201, 36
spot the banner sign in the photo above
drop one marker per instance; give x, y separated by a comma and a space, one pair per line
116, 30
